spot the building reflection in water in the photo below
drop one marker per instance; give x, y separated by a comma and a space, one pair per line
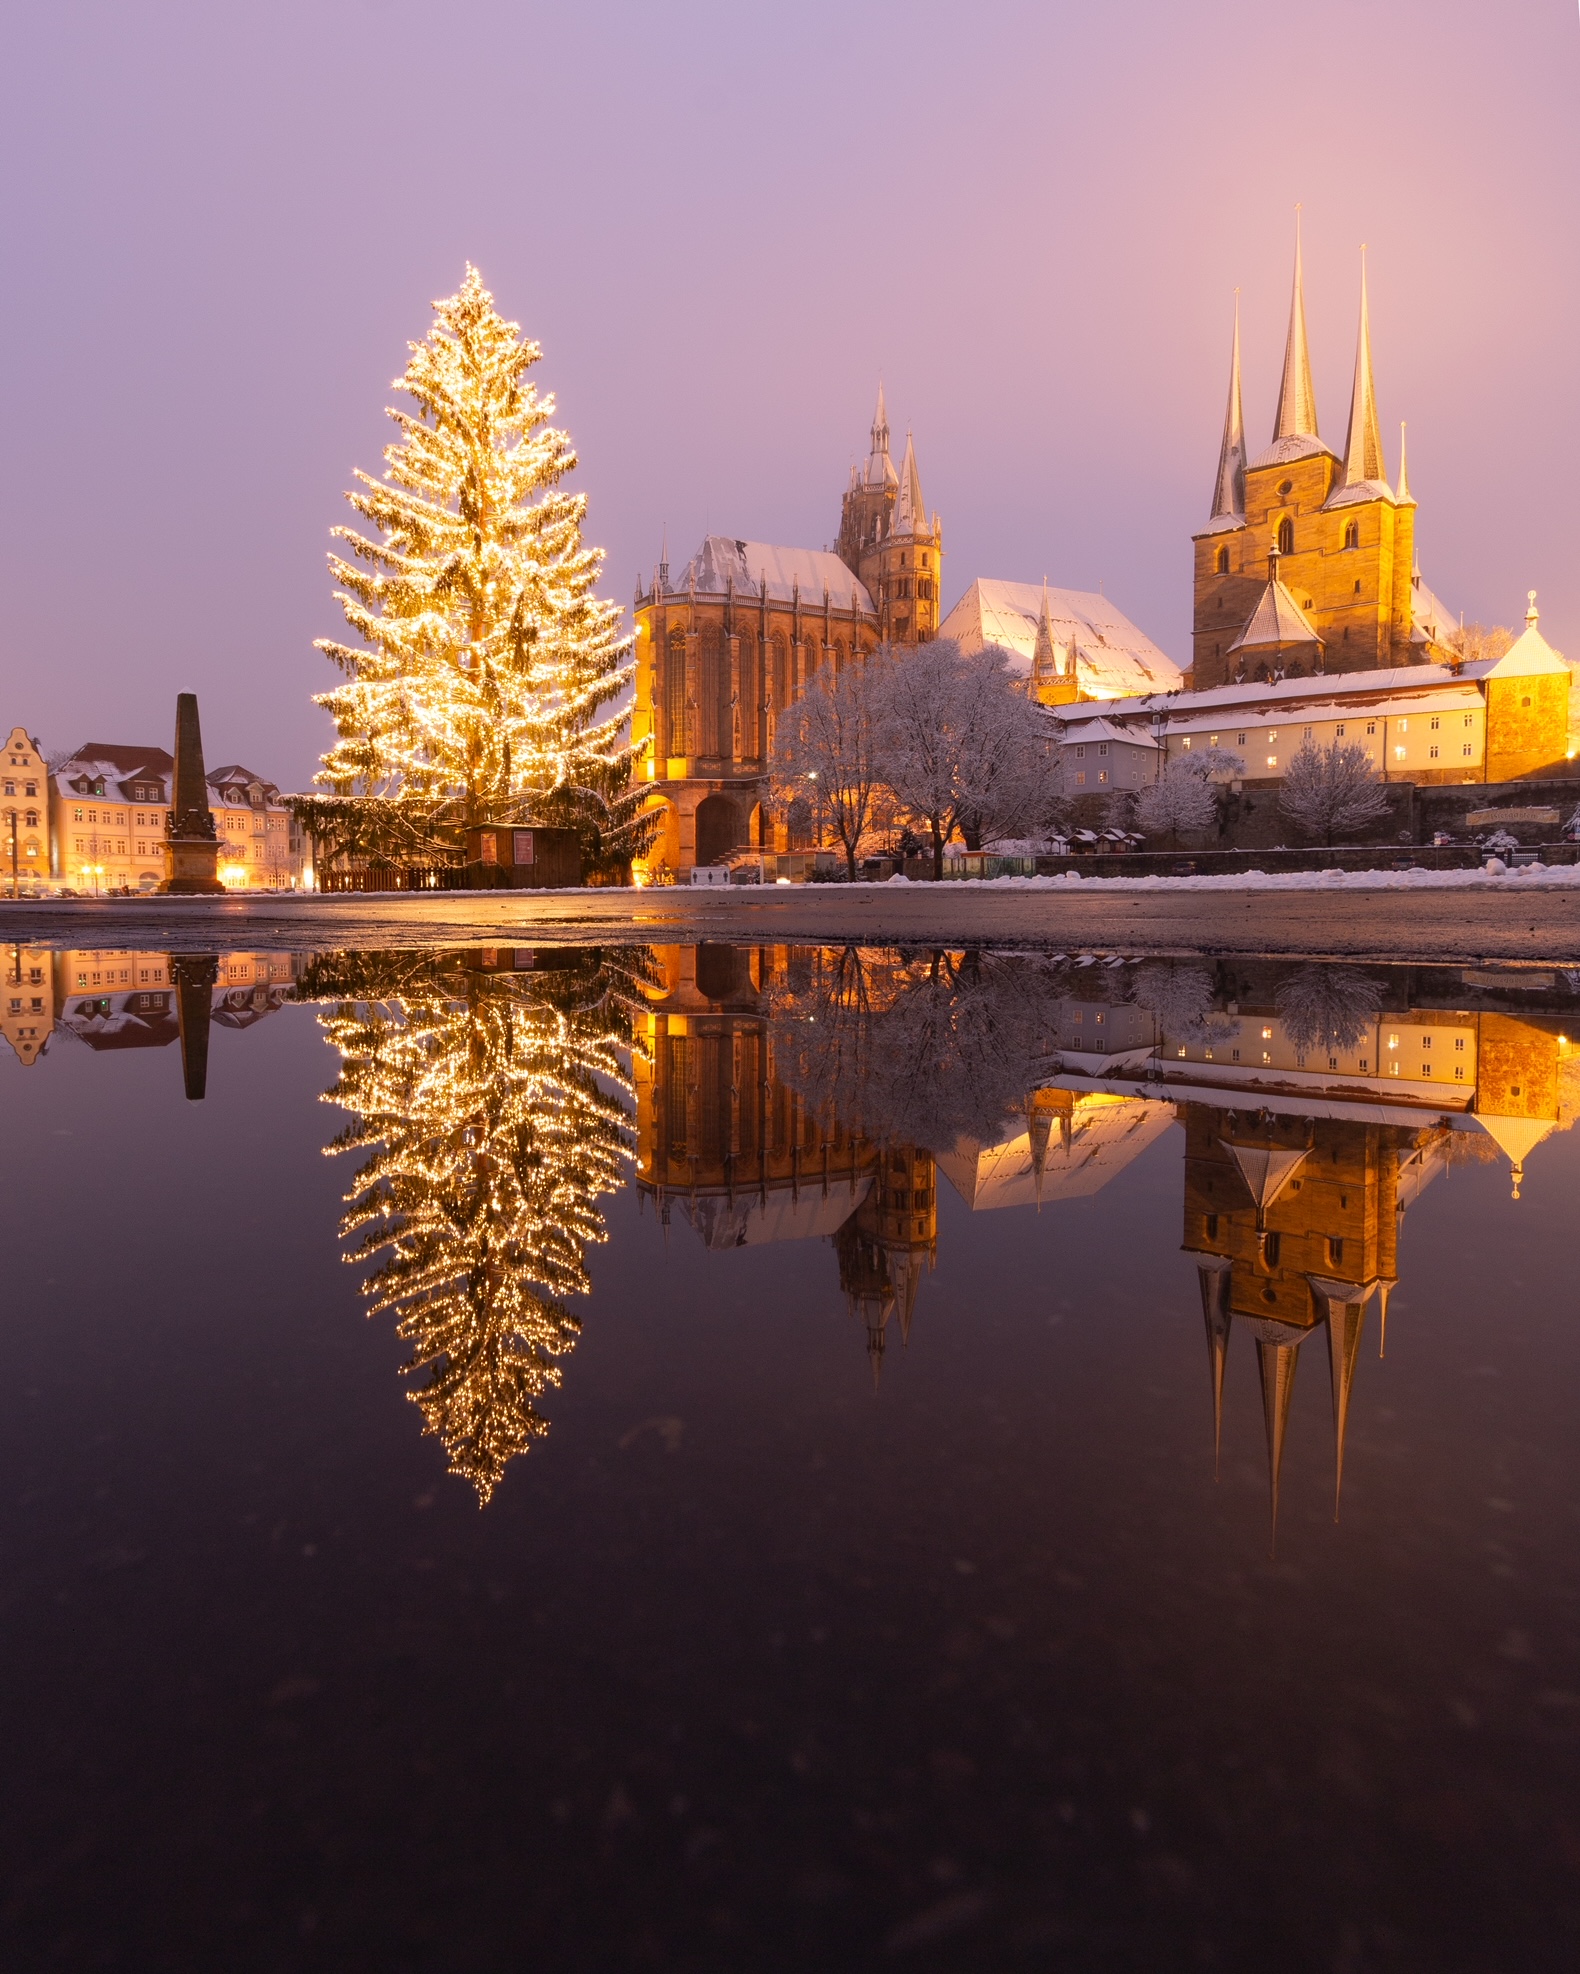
799, 1093
112, 1001
491, 1094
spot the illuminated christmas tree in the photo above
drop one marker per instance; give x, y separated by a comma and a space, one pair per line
497, 1109
485, 661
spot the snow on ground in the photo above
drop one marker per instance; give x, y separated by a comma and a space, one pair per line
1526, 877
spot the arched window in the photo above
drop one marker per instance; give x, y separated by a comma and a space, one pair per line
1286, 536
750, 695
839, 656
1223, 562
675, 692
713, 692
1352, 535
781, 673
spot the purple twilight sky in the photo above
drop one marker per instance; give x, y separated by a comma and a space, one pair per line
222, 224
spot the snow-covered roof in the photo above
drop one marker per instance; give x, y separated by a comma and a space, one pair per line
1124, 736
751, 1221
1409, 685
1430, 618
1277, 620
1112, 657
1298, 445
1221, 524
1355, 491
1447, 699
722, 561
1529, 655
1105, 1134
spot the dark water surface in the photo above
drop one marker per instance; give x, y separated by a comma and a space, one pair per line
805, 1548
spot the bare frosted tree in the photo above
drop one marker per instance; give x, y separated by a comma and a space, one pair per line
962, 748
1474, 641
1332, 791
1180, 798
1326, 1007
827, 753
1182, 1001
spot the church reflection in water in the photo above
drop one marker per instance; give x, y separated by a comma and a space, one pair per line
813, 1093
774, 1094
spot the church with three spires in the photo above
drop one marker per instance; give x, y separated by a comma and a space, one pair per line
1308, 561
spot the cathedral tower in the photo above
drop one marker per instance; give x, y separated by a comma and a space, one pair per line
1307, 562
888, 542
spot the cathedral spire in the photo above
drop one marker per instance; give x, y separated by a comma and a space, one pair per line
1404, 477
1363, 455
1297, 401
1228, 499
1213, 1276
1344, 1306
1275, 1363
880, 468
910, 513
1044, 664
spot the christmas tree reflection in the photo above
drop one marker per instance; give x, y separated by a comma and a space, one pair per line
493, 1093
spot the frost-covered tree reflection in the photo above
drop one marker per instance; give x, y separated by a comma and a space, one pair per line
1327, 1007
496, 1107
915, 1048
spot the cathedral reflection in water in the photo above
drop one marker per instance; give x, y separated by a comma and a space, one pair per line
771, 1094
809, 1093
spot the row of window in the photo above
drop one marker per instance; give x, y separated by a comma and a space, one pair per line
28, 788
1286, 543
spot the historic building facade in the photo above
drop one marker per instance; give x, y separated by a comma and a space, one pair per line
725, 649
24, 815
1308, 561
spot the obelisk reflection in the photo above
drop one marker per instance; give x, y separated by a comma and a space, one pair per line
193, 976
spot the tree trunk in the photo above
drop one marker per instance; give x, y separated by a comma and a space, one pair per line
938, 851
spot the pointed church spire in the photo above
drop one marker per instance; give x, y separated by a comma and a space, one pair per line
1228, 499
1346, 1317
1384, 1290
1404, 477
1363, 455
880, 468
1297, 401
1214, 1279
1044, 657
910, 513
1275, 1364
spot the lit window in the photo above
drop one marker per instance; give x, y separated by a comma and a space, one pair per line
1272, 735
1404, 726
1272, 760
1398, 753
1212, 740
1185, 743
1267, 1034
1393, 1069
1080, 781
1102, 774
1266, 1056
1181, 1050
1098, 1018
1393, 1041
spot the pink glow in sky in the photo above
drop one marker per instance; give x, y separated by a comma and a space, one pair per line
222, 224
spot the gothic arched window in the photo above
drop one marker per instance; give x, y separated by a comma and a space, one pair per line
675, 692
1352, 535
781, 673
1286, 536
1223, 562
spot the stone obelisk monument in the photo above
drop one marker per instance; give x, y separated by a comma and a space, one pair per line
191, 846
